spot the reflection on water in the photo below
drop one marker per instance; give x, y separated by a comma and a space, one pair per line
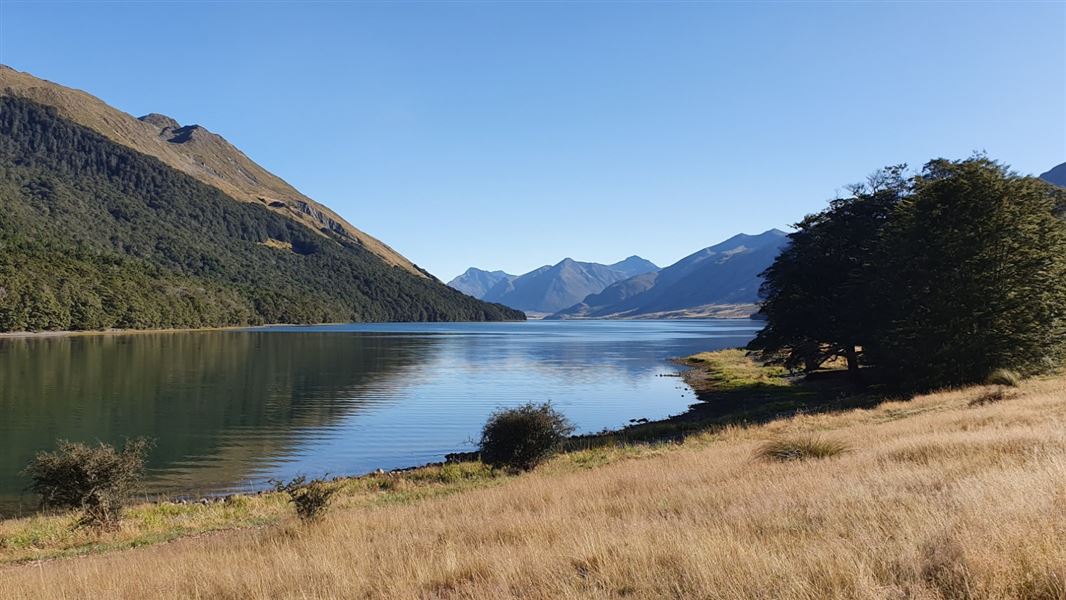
231, 409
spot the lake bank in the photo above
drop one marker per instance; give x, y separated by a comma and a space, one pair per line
230, 410
165, 518
695, 516
118, 332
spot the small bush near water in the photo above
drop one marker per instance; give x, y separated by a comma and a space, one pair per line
94, 479
800, 449
310, 498
521, 438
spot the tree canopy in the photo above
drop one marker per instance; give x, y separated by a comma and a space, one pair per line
937, 279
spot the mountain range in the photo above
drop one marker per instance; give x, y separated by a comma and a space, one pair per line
551, 287
114, 221
721, 280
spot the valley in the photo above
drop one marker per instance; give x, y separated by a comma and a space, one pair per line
532, 300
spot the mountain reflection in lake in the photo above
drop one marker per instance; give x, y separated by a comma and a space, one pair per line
230, 409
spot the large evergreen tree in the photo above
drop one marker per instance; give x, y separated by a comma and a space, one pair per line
816, 293
973, 277
936, 280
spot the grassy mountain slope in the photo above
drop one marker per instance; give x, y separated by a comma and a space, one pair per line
96, 235
723, 274
195, 151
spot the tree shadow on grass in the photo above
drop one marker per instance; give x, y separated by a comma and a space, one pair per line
731, 403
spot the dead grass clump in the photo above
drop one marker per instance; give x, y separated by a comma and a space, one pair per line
800, 448
993, 395
944, 568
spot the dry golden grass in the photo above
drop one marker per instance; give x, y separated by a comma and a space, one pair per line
277, 244
936, 498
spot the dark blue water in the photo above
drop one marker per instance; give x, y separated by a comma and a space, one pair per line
230, 409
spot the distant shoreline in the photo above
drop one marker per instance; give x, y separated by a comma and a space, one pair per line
110, 332
90, 332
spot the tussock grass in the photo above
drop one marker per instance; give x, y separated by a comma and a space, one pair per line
801, 448
936, 499
993, 394
1003, 377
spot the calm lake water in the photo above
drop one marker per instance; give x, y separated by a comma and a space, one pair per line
231, 409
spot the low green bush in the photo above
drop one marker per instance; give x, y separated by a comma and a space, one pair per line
310, 498
96, 480
519, 439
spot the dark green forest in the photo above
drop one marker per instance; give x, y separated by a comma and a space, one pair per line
94, 235
937, 279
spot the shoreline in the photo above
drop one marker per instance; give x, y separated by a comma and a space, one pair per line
574, 443
119, 331
704, 412
110, 332
717, 379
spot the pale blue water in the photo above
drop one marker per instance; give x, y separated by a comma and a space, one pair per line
231, 409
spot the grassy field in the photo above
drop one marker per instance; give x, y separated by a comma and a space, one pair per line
960, 494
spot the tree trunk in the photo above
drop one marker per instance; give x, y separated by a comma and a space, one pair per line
853, 364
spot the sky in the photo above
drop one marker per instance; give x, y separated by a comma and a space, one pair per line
509, 135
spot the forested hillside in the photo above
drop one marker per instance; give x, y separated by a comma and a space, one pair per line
195, 151
95, 235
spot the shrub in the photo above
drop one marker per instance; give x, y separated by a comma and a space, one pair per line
800, 449
1003, 377
310, 498
94, 479
521, 438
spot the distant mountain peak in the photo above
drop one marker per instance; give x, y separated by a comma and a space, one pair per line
188, 133
1056, 175
477, 282
634, 265
725, 274
475, 270
160, 121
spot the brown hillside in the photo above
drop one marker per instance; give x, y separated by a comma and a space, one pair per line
193, 150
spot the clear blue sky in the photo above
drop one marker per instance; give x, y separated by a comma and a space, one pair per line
507, 135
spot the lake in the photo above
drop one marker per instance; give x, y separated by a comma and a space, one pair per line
231, 409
